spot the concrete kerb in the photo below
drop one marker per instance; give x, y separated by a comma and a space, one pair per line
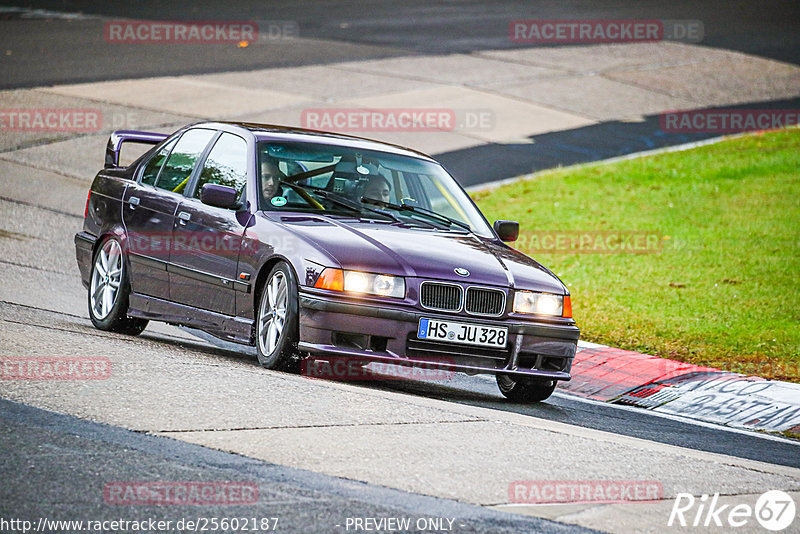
666, 386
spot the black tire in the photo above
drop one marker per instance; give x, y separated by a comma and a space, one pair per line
113, 318
525, 390
281, 354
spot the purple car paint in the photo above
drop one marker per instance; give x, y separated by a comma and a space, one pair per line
192, 233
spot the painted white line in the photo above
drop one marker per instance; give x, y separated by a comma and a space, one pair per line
589, 345
674, 148
634, 155
671, 417
677, 418
28, 13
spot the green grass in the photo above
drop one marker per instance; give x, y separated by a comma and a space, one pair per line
791, 435
724, 289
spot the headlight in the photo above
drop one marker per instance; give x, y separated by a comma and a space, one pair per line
375, 284
538, 303
383, 285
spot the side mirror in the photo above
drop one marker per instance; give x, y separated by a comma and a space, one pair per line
507, 230
220, 196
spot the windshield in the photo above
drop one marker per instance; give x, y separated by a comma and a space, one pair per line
344, 181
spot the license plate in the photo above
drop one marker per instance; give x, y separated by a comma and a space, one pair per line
466, 333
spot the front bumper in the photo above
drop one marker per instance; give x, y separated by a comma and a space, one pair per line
343, 328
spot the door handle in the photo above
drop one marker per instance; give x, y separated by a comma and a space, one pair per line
134, 201
184, 216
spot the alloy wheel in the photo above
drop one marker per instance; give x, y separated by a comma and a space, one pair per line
272, 315
106, 279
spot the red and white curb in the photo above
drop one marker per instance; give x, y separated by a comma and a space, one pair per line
666, 386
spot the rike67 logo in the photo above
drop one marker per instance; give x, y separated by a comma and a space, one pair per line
774, 510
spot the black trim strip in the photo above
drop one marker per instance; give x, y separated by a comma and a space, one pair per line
388, 357
188, 272
571, 333
318, 304
148, 261
85, 237
566, 332
232, 328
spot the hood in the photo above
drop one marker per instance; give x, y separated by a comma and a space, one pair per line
412, 252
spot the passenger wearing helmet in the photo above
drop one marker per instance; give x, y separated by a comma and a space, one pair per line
378, 188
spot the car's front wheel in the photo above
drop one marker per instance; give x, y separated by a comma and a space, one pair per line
525, 390
276, 321
109, 289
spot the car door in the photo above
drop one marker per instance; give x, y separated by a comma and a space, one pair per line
207, 239
149, 207
148, 213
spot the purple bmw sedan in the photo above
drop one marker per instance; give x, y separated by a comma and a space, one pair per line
313, 244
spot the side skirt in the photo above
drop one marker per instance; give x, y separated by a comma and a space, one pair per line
236, 329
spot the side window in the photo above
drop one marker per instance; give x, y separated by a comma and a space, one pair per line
156, 162
178, 167
226, 164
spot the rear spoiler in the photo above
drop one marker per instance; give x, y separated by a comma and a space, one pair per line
119, 137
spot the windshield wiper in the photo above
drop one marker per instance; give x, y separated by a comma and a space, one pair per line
340, 200
416, 209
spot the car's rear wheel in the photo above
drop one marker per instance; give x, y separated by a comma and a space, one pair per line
109, 289
276, 321
525, 390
